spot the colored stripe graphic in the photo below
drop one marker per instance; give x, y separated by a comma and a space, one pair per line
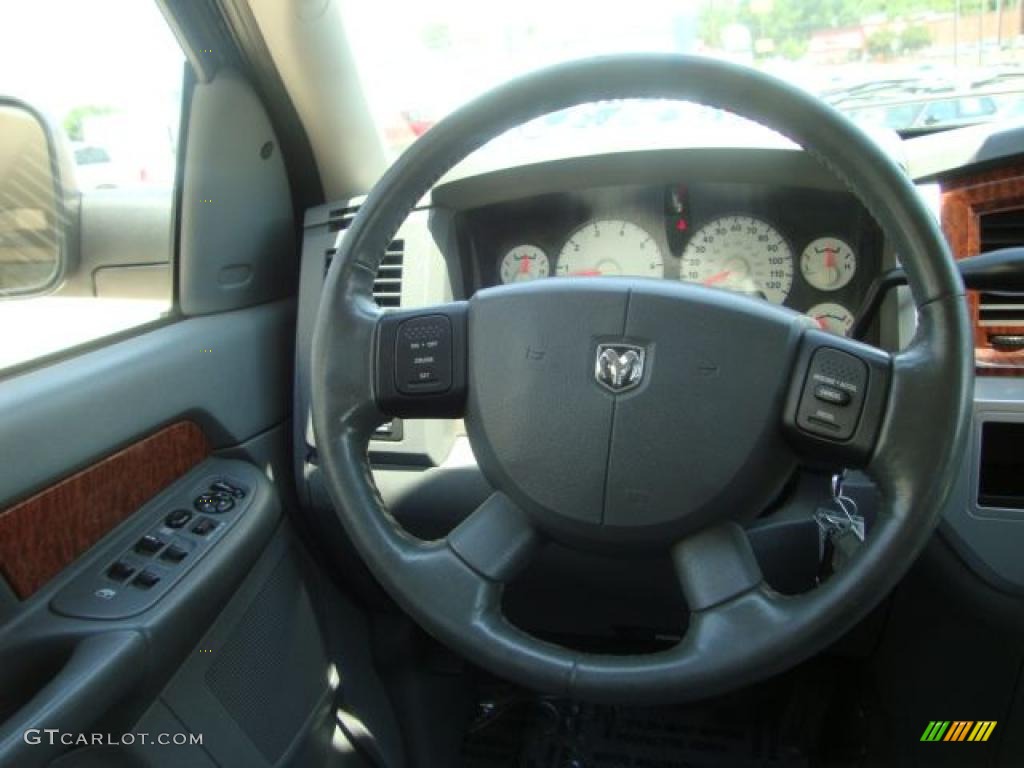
958, 730
935, 730
982, 730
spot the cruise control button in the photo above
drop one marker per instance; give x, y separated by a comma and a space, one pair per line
120, 571
423, 355
831, 395
177, 518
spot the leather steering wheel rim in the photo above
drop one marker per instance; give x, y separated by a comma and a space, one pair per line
740, 630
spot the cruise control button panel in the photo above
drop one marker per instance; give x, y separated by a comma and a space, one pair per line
421, 362
833, 394
837, 398
423, 355
152, 558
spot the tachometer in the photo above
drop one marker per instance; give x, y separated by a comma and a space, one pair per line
524, 262
742, 254
610, 247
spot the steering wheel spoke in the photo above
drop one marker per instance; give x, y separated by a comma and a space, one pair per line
837, 400
715, 565
421, 362
497, 540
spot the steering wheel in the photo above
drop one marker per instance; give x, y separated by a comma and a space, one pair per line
641, 415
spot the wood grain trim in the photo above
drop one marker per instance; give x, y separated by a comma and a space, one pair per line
963, 202
43, 534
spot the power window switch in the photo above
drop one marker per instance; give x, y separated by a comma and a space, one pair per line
146, 579
174, 554
149, 545
204, 526
120, 571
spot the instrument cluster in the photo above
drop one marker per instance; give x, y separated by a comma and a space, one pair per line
811, 249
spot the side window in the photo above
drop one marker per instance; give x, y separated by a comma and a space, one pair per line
940, 112
976, 106
89, 111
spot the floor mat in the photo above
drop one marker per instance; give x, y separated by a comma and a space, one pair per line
556, 734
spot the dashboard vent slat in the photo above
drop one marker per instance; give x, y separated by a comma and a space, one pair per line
387, 286
1003, 229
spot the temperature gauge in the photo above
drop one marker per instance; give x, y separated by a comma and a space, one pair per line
828, 264
524, 262
832, 317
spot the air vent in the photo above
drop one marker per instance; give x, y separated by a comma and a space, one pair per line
1004, 229
340, 218
387, 287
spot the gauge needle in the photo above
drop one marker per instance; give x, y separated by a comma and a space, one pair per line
830, 258
587, 273
719, 277
524, 266
822, 323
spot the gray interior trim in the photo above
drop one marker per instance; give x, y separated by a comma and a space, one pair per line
957, 151
237, 240
71, 672
8, 601
656, 166
989, 540
62, 417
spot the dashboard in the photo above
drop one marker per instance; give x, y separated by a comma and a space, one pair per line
475, 230
811, 249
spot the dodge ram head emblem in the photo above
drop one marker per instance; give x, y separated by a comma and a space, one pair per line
619, 367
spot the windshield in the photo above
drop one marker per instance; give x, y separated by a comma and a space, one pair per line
905, 65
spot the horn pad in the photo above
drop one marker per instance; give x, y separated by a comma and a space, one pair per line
616, 410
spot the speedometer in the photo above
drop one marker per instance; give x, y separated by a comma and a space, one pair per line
742, 254
610, 247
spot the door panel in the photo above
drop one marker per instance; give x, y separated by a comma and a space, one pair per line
129, 605
228, 373
46, 532
64, 668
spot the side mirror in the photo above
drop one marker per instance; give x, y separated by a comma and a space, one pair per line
34, 206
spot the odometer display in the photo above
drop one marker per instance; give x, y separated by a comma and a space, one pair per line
740, 253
